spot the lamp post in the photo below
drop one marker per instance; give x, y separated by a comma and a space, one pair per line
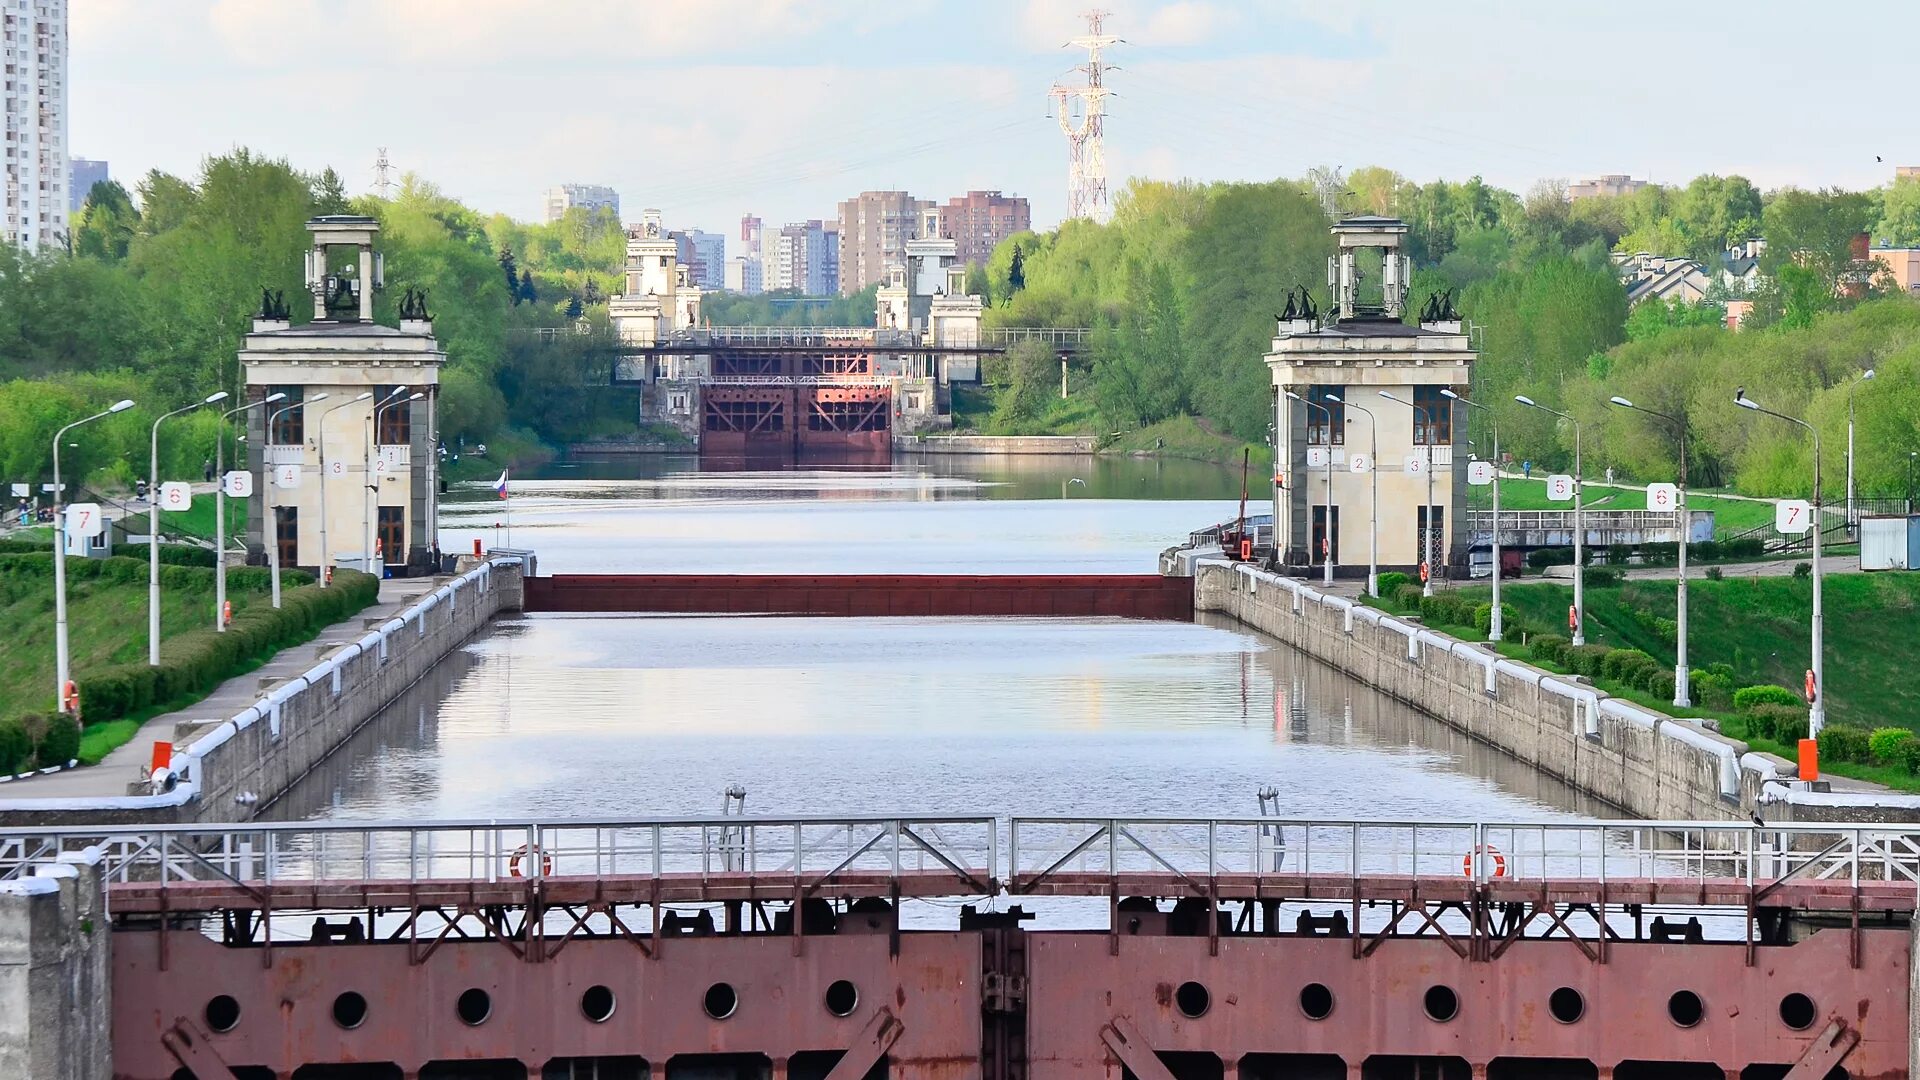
1852, 516
1682, 696
1426, 531
220, 511
1817, 707
1494, 628
153, 528
1579, 525
320, 437
273, 508
1373, 478
62, 666
1326, 521
1912, 456
372, 484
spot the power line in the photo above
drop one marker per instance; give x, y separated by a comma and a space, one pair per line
1087, 171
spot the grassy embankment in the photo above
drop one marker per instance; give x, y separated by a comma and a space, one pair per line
1730, 516
195, 521
106, 619
1186, 437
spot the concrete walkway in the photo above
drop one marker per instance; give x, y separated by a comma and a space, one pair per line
128, 764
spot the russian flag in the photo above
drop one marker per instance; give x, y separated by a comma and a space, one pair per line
500, 485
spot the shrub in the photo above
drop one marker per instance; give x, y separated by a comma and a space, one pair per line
1618, 554
1781, 723
14, 747
1544, 557
1661, 554
170, 554
1666, 629
1445, 610
1909, 756
1586, 659
1705, 549
1801, 569
1711, 689
1600, 577
1549, 647
1660, 684
1714, 573
1886, 744
57, 741
1392, 580
1624, 663
1721, 668
1839, 742
1747, 697
1407, 597
1483, 618
1744, 547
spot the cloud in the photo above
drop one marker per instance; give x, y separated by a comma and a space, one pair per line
1184, 24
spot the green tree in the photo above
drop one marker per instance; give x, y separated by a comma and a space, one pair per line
1815, 230
329, 193
107, 223
526, 289
1899, 224
1714, 211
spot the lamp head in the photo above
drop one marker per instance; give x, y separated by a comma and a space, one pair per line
314, 398
1295, 396
1741, 399
416, 396
122, 405
364, 395
1449, 394
271, 398
214, 398
1620, 401
1524, 400
1334, 398
1868, 374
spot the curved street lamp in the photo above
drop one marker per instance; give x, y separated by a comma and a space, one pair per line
1494, 628
368, 498
1326, 523
1853, 518
1682, 695
273, 509
320, 437
1579, 525
1426, 532
62, 665
220, 511
1373, 477
153, 527
1817, 707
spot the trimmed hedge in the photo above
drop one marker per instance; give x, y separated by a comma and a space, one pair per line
1747, 697
1839, 742
195, 662
16, 747
1888, 744
1549, 647
1392, 580
1446, 610
1407, 596
56, 739
1483, 618
170, 554
1781, 723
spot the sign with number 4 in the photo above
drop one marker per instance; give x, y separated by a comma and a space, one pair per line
1663, 497
1792, 515
1480, 473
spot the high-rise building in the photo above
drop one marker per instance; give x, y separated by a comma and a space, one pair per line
743, 276
979, 220
84, 173
586, 196
874, 229
806, 258
37, 180
704, 254
1610, 185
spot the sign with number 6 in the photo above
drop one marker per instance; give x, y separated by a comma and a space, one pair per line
176, 495
1792, 515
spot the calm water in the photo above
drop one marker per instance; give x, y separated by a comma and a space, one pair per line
591, 715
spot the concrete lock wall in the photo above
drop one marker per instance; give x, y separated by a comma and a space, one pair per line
1647, 764
56, 973
245, 761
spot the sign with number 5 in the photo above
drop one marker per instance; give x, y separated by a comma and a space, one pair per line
1792, 515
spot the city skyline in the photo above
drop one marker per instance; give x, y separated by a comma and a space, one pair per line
1206, 91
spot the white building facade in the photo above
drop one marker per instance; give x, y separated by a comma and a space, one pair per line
36, 95
565, 197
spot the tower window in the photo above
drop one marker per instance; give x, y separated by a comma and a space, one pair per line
1433, 420
1327, 428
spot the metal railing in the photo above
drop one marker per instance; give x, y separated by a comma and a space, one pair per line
816, 849
798, 380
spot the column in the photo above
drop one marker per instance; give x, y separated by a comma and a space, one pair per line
317, 263
366, 282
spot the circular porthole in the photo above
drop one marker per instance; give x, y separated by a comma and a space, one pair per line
349, 1010
474, 1007
1316, 1001
842, 998
597, 1004
1192, 1000
1566, 1005
1796, 1011
1685, 1008
720, 1001
223, 1013
1441, 1003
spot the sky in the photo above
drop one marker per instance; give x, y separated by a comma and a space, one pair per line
708, 109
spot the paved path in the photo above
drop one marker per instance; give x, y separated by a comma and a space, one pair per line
1779, 567
128, 764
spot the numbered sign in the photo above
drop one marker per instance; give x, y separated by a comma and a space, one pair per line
286, 476
1480, 473
83, 519
337, 469
1663, 497
176, 495
1792, 515
1416, 465
238, 484
1359, 463
1560, 487
1317, 457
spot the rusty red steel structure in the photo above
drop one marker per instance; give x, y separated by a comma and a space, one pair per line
795, 404
1134, 596
810, 948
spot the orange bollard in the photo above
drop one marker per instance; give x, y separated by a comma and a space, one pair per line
476, 547
1809, 759
162, 757
226, 612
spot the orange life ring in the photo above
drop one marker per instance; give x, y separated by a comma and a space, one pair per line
1487, 851
521, 853
1810, 686
1573, 617
1423, 572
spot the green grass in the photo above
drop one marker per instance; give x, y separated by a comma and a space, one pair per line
99, 740
196, 520
973, 414
1730, 516
1191, 437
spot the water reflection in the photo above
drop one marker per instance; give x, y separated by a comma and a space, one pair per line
570, 716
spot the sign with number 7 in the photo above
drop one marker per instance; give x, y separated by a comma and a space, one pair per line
1792, 515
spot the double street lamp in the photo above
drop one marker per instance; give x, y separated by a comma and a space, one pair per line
1853, 517
1373, 479
1682, 696
62, 663
1817, 697
392, 400
220, 511
320, 437
1493, 628
1425, 418
1326, 531
153, 527
273, 509
1579, 525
